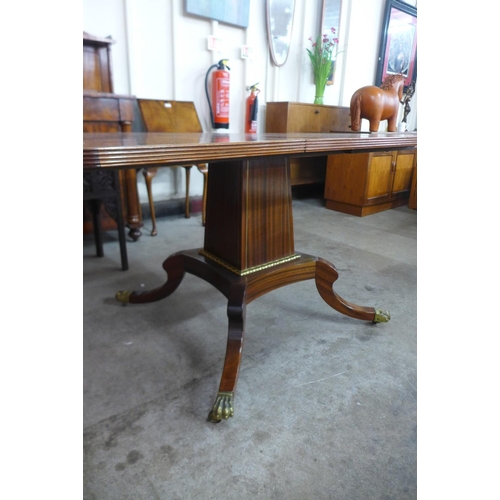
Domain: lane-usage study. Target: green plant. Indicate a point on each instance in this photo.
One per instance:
(322, 57)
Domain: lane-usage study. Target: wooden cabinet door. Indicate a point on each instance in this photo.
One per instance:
(380, 176)
(403, 173)
(413, 190)
(346, 178)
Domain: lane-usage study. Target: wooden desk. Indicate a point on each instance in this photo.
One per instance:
(249, 243)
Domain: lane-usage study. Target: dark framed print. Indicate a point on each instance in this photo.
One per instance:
(398, 43)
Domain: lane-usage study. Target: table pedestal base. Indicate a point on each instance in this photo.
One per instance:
(240, 291)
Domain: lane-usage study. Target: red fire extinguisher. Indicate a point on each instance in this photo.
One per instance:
(252, 107)
(219, 106)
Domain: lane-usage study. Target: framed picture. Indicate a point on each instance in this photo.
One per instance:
(235, 12)
(398, 43)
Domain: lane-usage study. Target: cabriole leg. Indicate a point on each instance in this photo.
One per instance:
(236, 308)
(326, 275)
(175, 271)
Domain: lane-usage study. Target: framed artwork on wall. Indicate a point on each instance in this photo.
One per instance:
(398, 43)
(235, 12)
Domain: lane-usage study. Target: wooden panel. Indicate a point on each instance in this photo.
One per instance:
(101, 109)
(267, 222)
(91, 70)
(101, 127)
(403, 173)
(314, 118)
(341, 119)
(303, 117)
(346, 176)
(365, 210)
(169, 116)
(412, 203)
(241, 222)
(277, 117)
(97, 71)
(126, 109)
(379, 176)
(307, 170)
(224, 208)
(308, 119)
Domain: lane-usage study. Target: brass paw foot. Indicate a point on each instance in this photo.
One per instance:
(222, 408)
(123, 296)
(381, 316)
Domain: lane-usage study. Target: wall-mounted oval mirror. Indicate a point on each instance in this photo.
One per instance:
(330, 18)
(279, 14)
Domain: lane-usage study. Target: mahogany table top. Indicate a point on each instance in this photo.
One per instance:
(135, 150)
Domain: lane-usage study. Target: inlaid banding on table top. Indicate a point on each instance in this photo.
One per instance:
(250, 270)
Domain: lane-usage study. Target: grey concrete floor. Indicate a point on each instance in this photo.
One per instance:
(325, 408)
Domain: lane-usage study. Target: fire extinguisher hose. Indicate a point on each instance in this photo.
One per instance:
(208, 97)
(253, 111)
(222, 64)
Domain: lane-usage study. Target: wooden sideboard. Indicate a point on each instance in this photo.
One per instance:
(366, 183)
(355, 183)
(302, 117)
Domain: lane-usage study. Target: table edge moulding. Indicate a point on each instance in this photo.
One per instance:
(249, 240)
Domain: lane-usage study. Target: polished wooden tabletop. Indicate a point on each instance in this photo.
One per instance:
(142, 149)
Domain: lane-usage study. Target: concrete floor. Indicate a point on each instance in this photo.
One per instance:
(325, 408)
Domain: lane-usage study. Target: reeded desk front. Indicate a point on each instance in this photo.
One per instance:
(249, 243)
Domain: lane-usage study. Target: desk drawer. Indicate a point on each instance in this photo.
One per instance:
(309, 118)
(108, 109)
(304, 117)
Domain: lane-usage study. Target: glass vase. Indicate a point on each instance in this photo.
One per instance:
(320, 92)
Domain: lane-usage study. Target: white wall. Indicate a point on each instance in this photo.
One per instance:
(161, 53)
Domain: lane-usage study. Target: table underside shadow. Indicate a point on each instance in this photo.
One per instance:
(240, 291)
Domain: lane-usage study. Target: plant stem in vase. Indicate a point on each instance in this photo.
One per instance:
(322, 63)
(320, 92)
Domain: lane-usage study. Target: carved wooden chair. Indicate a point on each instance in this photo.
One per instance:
(171, 116)
(104, 112)
(102, 187)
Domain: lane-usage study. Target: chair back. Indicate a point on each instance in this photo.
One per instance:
(169, 116)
